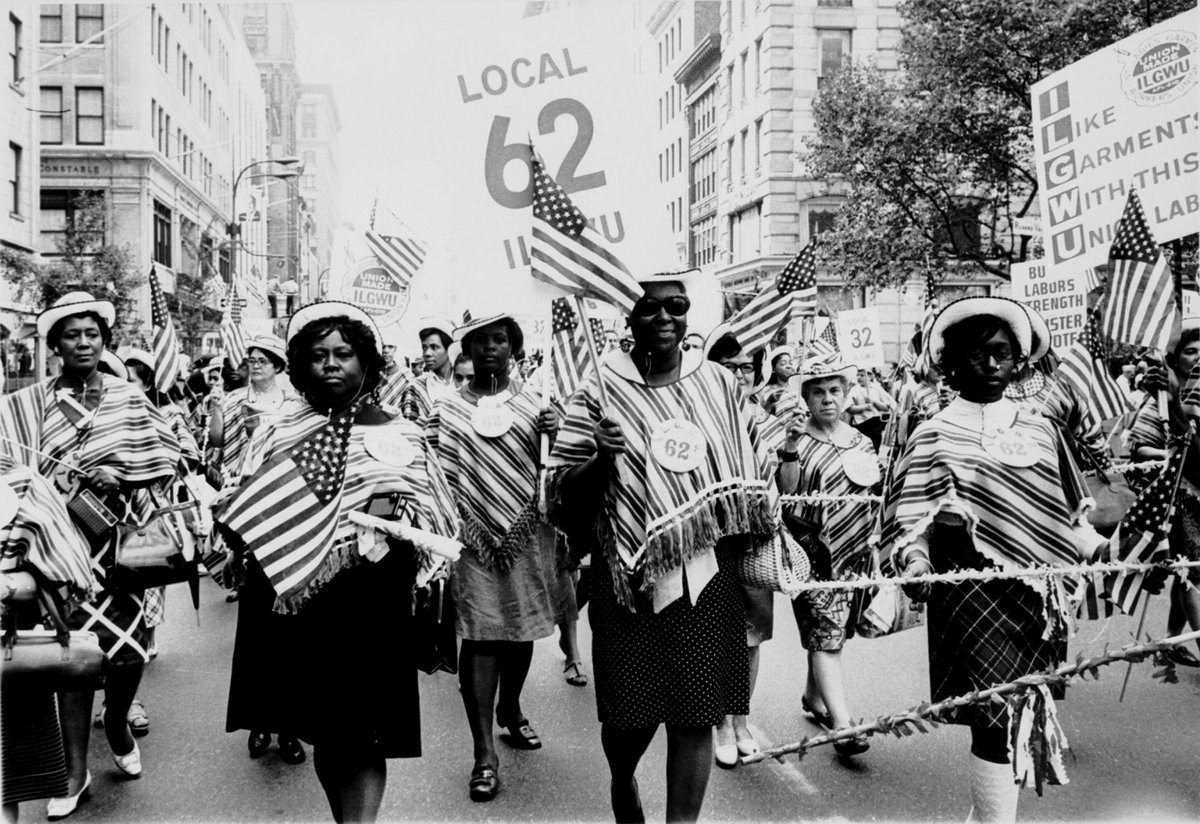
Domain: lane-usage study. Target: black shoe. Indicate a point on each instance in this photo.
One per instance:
(520, 734)
(851, 746)
(484, 784)
(258, 743)
(1183, 657)
(291, 751)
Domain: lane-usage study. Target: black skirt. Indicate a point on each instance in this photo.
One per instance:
(685, 666)
(339, 673)
(983, 633)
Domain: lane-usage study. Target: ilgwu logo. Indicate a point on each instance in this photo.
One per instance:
(1161, 69)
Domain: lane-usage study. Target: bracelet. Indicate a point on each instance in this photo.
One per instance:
(6, 587)
(787, 457)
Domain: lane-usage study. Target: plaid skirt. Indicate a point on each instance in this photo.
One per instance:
(984, 633)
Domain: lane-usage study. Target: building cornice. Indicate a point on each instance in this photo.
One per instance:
(662, 13)
(710, 46)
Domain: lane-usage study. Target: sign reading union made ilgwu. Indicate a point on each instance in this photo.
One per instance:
(374, 289)
(1124, 118)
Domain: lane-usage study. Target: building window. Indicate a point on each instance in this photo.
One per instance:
(743, 67)
(704, 241)
(89, 21)
(51, 114)
(729, 163)
(835, 53)
(89, 116)
(310, 160)
(729, 87)
(820, 221)
(15, 181)
(704, 112)
(15, 51)
(758, 147)
(58, 211)
(758, 64)
(308, 181)
(308, 121)
(704, 176)
(162, 234)
(52, 23)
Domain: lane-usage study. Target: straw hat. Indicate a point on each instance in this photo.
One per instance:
(74, 303)
(820, 367)
(435, 324)
(112, 361)
(332, 309)
(271, 345)
(137, 356)
(1014, 314)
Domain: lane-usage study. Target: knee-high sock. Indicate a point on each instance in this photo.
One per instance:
(993, 792)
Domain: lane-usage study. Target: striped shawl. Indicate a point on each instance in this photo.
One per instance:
(844, 527)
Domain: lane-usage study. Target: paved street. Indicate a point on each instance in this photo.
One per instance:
(1136, 760)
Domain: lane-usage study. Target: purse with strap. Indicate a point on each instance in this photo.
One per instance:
(152, 553)
(49, 660)
(1109, 490)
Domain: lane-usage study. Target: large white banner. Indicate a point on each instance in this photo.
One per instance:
(1060, 298)
(1124, 118)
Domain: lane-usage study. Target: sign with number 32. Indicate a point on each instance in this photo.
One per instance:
(859, 338)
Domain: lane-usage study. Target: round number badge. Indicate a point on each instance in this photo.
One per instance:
(860, 467)
(491, 420)
(678, 446)
(390, 448)
(1012, 447)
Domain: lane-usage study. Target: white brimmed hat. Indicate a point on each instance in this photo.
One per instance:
(478, 323)
(114, 363)
(332, 309)
(137, 356)
(271, 344)
(703, 291)
(1010, 311)
(821, 367)
(74, 303)
(438, 324)
(1039, 342)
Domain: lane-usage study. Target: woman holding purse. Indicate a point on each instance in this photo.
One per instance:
(98, 439)
(326, 610)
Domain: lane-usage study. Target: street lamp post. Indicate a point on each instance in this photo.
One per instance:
(233, 228)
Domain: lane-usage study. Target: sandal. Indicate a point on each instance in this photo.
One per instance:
(139, 722)
(573, 672)
(521, 735)
(821, 717)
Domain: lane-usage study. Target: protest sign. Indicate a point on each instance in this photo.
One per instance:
(1124, 118)
(859, 337)
(1060, 298)
(371, 287)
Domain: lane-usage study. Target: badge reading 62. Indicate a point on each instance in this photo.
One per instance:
(678, 446)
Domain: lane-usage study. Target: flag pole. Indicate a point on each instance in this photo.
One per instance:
(581, 306)
(547, 373)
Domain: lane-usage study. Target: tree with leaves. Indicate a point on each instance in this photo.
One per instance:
(936, 160)
(84, 263)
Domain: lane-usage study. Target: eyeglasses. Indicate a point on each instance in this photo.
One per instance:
(257, 361)
(676, 305)
(744, 368)
(1001, 354)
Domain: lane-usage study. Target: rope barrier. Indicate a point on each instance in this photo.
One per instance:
(816, 497)
(924, 716)
(958, 577)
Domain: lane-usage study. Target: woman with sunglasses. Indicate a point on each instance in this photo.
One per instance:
(986, 485)
(664, 483)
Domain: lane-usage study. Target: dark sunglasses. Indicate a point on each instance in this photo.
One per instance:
(676, 306)
(744, 368)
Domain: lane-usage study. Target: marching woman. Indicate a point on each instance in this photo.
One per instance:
(669, 482)
(510, 585)
(776, 393)
(98, 438)
(834, 458)
(266, 393)
(984, 485)
(321, 627)
(419, 394)
(733, 736)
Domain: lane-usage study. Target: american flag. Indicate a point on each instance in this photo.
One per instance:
(1139, 307)
(567, 253)
(1142, 534)
(826, 345)
(794, 290)
(401, 255)
(233, 338)
(570, 358)
(166, 346)
(1083, 369)
(287, 512)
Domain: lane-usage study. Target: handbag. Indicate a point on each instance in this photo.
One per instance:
(778, 565)
(50, 660)
(889, 611)
(435, 642)
(152, 553)
(1110, 490)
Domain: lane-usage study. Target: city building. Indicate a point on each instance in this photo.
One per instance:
(156, 107)
(676, 28)
(270, 33)
(698, 75)
(320, 186)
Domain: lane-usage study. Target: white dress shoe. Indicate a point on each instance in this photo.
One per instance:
(130, 763)
(57, 808)
(747, 746)
(726, 755)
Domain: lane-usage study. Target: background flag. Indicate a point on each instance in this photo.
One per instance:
(1139, 305)
(570, 358)
(794, 290)
(1142, 533)
(401, 254)
(1083, 369)
(826, 345)
(567, 253)
(166, 346)
(233, 337)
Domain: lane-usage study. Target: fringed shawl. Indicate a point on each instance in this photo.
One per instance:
(1017, 517)
(844, 526)
(235, 434)
(654, 520)
(424, 495)
(418, 396)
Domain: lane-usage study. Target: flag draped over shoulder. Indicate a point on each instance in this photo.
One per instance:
(794, 291)
(233, 338)
(287, 512)
(566, 252)
(401, 254)
(1142, 534)
(1139, 306)
(166, 346)
(571, 359)
(1084, 369)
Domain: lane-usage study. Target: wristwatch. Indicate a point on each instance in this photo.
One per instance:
(787, 457)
